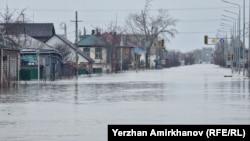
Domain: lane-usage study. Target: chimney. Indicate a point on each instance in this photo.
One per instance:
(114, 34)
(93, 32)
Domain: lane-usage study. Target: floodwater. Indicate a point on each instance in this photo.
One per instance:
(67, 110)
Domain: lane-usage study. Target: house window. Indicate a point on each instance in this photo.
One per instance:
(86, 51)
(98, 53)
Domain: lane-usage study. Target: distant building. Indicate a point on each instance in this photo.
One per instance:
(207, 54)
(107, 52)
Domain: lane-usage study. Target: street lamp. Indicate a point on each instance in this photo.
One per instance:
(234, 20)
(227, 27)
(234, 13)
(231, 12)
(244, 28)
(223, 31)
(236, 49)
(238, 25)
(233, 27)
(231, 20)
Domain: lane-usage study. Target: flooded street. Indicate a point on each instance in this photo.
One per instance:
(67, 110)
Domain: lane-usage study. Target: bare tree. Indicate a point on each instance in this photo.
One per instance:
(151, 26)
(64, 51)
(110, 28)
(9, 16)
(11, 19)
(113, 27)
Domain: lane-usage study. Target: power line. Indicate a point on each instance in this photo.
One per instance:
(124, 10)
(202, 8)
(198, 32)
(199, 20)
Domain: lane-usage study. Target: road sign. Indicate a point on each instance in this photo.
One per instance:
(214, 41)
(222, 41)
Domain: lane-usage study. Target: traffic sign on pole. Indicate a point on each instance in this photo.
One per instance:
(222, 41)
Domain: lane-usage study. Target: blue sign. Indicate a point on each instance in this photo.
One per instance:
(222, 41)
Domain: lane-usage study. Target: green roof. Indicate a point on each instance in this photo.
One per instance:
(91, 41)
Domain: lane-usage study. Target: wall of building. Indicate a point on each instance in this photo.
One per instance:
(9, 66)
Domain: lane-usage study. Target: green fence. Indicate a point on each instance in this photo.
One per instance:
(28, 74)
(82, 71)
(97, 70)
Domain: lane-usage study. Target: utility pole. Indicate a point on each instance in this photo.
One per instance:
(121, 59)
(156, 48)
(38, 65)
(1, 67)
(76, 42)
(249, 46)
(244, 28)
(64, 27)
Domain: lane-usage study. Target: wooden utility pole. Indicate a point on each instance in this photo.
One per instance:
(76, 42)
(1, 67)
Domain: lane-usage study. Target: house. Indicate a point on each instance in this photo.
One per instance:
(141, 41)
(38, 60)
(129, 57)
(96, 48)
(39, 64)
(106, 50)
(68, 50)
(9, 62)
(39, 31)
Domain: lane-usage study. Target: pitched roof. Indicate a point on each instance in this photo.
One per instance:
(71, 45)
(40, 31)
(8, 43)
(91, 41)
(27, 41)
(102, 40)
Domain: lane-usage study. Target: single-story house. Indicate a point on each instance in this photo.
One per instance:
(39, 64)
(38, 59)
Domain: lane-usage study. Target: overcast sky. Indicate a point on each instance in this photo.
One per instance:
(196, 17)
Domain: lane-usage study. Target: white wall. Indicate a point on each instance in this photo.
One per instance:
(55, 41)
